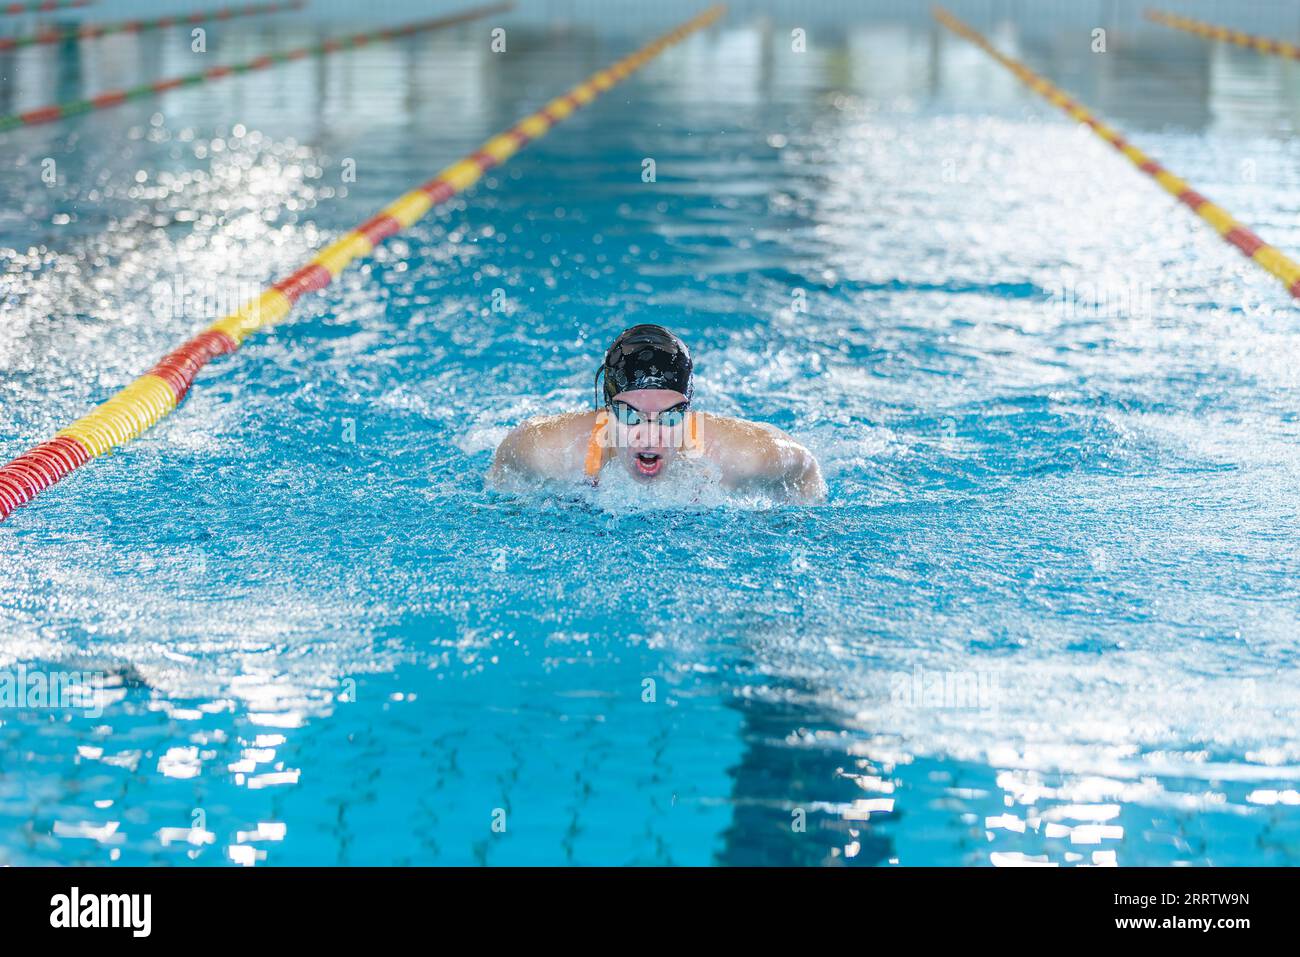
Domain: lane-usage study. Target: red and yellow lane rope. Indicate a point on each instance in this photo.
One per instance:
(42, 6)
(1270, 257)
(152, 396)
(1213, 31)
(89, 31)
(101, 101)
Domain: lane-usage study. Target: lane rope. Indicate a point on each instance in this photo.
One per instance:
(42, 6)
(91, 31)
(111, 98)
(156, 393)
(1269, 257)
(1212, 31)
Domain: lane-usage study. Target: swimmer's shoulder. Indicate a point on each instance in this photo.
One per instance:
(546, 446)
(559, 430)
(725, 433)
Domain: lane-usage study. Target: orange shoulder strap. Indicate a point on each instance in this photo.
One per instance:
(596, 445)
(692, 431)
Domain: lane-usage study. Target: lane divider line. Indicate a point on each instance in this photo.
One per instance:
(91, 31)
(156, 393)
(1212, 31)
(42, 6)
(1269, 257)
(110, 98)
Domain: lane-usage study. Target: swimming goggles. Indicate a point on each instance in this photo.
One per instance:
(668, 418)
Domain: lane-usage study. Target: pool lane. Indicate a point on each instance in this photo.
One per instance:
(112, 98)
(93, 31)
(155, 394)
(1286, 269)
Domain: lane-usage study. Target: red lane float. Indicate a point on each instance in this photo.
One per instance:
(58, 111)
(1212, 31)
(1282, 266)
(91, 31)
(42, 6)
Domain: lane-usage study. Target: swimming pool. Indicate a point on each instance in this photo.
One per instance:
(1048, 613)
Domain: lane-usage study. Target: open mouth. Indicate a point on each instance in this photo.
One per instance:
(649, 463)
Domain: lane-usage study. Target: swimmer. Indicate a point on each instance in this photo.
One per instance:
(645, 425)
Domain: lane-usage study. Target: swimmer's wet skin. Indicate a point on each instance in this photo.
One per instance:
(646, 424)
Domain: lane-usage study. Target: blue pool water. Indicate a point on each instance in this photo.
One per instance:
(1048, 614)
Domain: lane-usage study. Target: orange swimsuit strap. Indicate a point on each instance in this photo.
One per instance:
(597, 443)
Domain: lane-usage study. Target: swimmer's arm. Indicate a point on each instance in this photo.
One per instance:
(795, 470)
(763, 455)
(804, 476)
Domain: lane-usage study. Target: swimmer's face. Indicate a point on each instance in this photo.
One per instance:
(649, 429)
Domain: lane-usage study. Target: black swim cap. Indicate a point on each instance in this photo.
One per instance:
(648, 357)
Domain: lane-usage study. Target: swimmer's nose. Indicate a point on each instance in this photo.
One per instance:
(647, 435)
